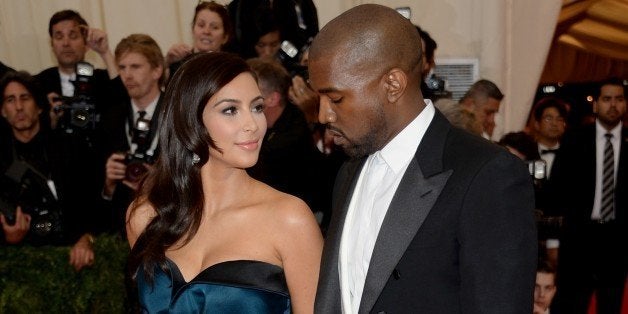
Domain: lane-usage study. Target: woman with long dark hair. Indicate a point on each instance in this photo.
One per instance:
(205, 236)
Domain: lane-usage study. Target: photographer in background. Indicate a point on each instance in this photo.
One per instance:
(45, 188)
(131, 127)
(70, 37)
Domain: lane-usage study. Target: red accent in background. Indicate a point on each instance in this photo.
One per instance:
(624, 306)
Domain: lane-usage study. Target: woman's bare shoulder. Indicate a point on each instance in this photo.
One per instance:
(138, 216)
(288, 211)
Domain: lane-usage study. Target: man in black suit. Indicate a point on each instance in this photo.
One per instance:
(594, 246)
(426, 218)
(70, 37)
(131, 127)
(46, 176)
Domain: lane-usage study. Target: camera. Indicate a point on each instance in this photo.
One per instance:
(141, 136)
(30, 190)
(289, 56)
(135, 168)
(79, 111)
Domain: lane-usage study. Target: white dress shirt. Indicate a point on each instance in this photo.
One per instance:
(600, 141)
(548, 157)
(150, 110)
(67, 87)
(366, 212)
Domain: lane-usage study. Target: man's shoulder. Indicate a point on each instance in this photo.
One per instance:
(48, 75)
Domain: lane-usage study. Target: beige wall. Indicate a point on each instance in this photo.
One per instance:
(509, 37)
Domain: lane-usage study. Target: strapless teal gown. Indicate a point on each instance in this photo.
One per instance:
(228, 287)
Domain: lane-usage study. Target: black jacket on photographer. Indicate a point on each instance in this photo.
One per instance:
(62, 162)
(118, 124)
(103, 91)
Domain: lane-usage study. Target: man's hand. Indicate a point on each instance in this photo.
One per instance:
(177, 52)
(538, 309)
(115, 170)
(82, 253)
(305, 98)
(16, 233)
(97, 40)
(55, 101)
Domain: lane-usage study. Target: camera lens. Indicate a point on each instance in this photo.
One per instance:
(135, 171)
(80, 117)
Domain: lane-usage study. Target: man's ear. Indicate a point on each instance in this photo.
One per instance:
(395, 83)
(595, 108)
(274, 99)
(468, 104)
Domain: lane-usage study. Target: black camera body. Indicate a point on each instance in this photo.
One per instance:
(79, 111)
(289, 56)
(141, 136)
(30, 190)
(135, 168)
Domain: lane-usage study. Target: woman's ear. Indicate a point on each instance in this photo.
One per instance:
(395, 84)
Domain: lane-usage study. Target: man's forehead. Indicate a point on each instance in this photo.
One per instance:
(611, 89)
(63, 25)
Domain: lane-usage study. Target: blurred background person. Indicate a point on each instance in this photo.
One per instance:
(70, 37)
(590, 173)
(458, 116)
(47, 178)
(483, 99)
(544, 288)
(297, 22)
(211, 31)
(131, 127)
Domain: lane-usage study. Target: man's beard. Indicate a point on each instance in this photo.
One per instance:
(372, 140)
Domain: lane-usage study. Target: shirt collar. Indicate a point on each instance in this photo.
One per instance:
(601, 131)
(150, 109)
(400, 150)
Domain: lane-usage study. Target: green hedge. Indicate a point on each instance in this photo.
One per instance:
(41, 280)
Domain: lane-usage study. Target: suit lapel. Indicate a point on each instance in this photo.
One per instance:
(328, 293)
(418, 190)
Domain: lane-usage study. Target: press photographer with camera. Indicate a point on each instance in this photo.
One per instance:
(70, 39)
(132, 126)
(45, 189)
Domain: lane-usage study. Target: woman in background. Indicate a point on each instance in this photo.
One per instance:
(205, 236)
(211, 31)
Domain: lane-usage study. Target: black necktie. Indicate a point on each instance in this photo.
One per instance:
(549, 151)
(141, 115)
(607, 208)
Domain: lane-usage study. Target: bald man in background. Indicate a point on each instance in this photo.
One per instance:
(414, 227)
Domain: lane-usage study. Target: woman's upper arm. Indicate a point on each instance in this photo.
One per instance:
(137, 218)
(300, 246)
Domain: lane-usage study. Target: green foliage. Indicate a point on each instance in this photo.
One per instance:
(41, 280)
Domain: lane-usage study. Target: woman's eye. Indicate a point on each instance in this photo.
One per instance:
(230, 111)
(259, 108)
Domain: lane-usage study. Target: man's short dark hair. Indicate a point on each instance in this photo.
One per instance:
(430, 44)
(609, 81)
(550, 102)
(271, 75)
(484, 88)
(544, 266)
(66, 15)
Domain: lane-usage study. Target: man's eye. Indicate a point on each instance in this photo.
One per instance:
(336, 100)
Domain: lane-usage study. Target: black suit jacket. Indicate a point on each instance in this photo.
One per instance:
(574, 178)
(114, 140)
(459, 235)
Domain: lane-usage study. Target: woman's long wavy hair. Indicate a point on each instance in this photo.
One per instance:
(174, 186)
